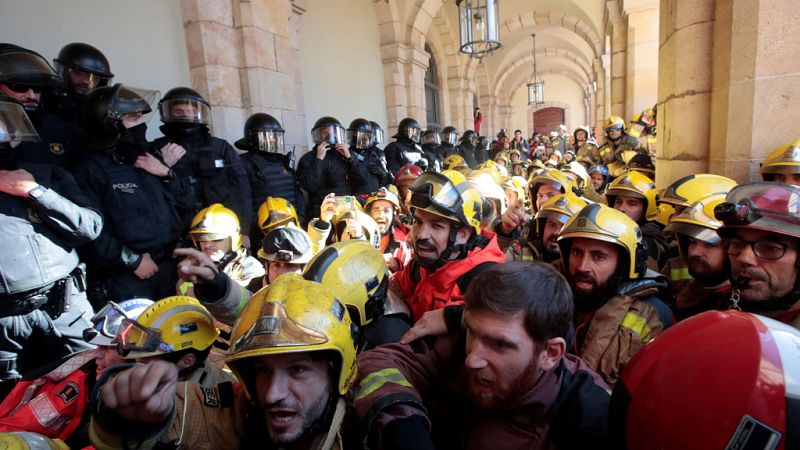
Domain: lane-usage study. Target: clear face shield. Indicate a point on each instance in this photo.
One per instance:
(414, 134)
(451, 138)
(185, 111)
(81, 82)
(130, 100)
(377, 136)
(360, 139)
(269, 141)
(332, 134)
(431, 139)
(436, 190)
(15, 126)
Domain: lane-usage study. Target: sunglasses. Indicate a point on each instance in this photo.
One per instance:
(21, 88)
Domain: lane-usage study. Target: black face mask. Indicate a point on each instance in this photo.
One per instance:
(132, 144)
(179, 129)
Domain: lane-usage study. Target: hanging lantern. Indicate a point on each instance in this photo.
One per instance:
(479, 26)
(536, 85)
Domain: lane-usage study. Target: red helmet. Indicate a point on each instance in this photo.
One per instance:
(721, 379)
(407, 174)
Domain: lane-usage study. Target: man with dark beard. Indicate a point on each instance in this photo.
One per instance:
(761, 235)
(450, 248)
(701, 251)
(504, 381)
(616, 310)
(291, 350)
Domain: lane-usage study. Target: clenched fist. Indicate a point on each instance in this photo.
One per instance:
(143, 393)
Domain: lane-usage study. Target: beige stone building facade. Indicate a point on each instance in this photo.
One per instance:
(725, 74)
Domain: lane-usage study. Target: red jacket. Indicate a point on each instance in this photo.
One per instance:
(54, 404)
(397, 246)
(425, 290)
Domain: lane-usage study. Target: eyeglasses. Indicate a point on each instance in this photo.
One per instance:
(763, 249)
(21, 88)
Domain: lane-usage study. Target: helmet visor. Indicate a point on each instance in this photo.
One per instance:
(185, 110)
(776, 201)
(377, 136)
(414, 134)
(431, 139)
(437, 191)
(613, 128)
(135, 337)
(332, 134)
(130, 100)
(451, 137)
(359, 139)
(81, 82)
(15, 126)
(26, 68)
(269, 141)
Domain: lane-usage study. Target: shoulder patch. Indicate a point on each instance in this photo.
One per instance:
(69, 392)
(210, 397)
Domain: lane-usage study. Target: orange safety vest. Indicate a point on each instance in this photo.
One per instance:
(439, 288)
(54, 404)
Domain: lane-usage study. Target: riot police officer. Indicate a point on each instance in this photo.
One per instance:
(135, 190)
(210, 167)
(27, 78)
(431, 148)
(467, 148)
(405, 149)
(269, 166)
(81, 68)
(359, 137)
(43, 218)
(330, 167)
(449, 141)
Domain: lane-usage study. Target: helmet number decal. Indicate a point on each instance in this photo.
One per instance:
(752, 434)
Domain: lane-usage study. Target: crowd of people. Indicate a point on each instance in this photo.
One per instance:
(446, 291)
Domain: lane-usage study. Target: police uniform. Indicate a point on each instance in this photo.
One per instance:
(141, 217)
(42, 289)
(58, 144)
(270, 176)
(212, 172)
(401, 152)
(334, 173)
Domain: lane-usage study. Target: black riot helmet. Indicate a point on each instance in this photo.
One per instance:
(264, 133)
(82, 68)
(104, 108)
(377, 133)
(327, 129)
(409, 128)
(22, 69)
(450, 135)
(431, 137)
(185, 106)
(359, 134)
(470, 136)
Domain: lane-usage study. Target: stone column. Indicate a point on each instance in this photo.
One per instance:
(213, 44)
(243, 57)
(490, 115)
(684, 88)
(418, 60)
(459, 103)
(756, 84)
(395, 85)
(642, 58)
(619, 58)
(601, 106)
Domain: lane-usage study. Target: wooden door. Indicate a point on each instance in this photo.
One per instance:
(547, 120)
